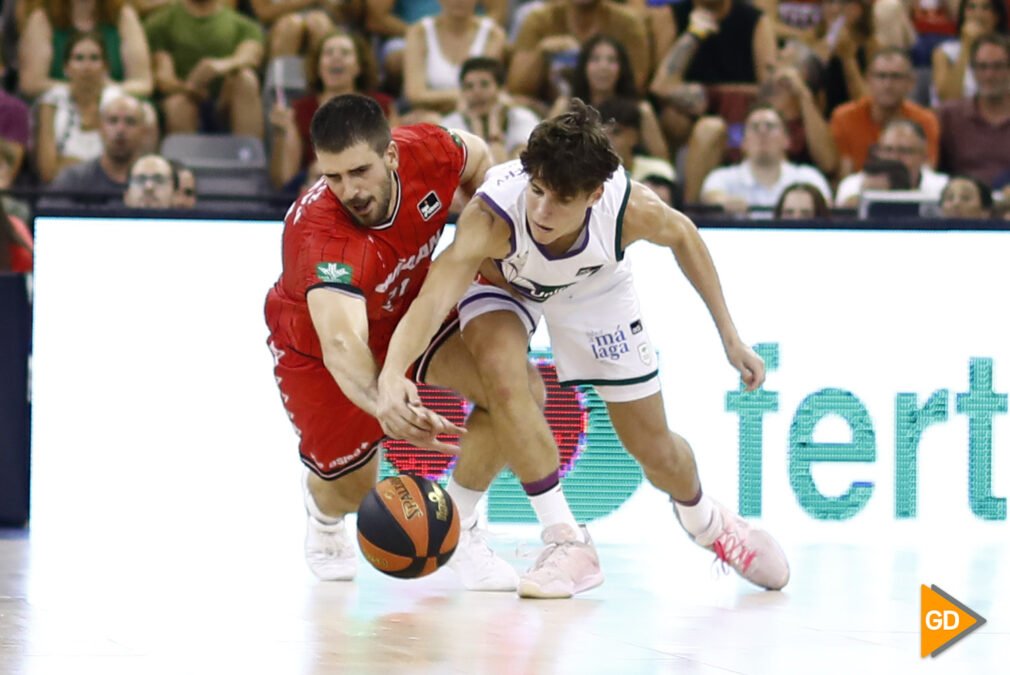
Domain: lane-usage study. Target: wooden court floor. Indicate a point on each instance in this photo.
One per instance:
(125, 605)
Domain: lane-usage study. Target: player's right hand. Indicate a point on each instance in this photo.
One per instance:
(403, 416)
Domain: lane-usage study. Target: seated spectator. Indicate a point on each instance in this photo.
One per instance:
(976, 130)
(295, 26)
(857, 125)
(205, 60)
(903, 141)
(485, 111)
(48, 31)
(760, 179)
(885, 174)
(342, 63)
(791, 91)
(153, 184)
(550, 38)
(623, 118)
(14, 134)
(603, 71)
(966, 197)
(151, 129)
(952, 78)
(104, 179)
(436, 48)
(15, 244)
(67, 116)
(802, 201)
(725, 49)
(185, 186)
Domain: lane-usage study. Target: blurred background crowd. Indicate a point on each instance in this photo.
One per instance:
(755, 108)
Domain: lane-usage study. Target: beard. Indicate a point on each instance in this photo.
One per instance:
(378, 210)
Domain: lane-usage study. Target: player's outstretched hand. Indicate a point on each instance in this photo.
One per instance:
(748, 363)
(403, 416)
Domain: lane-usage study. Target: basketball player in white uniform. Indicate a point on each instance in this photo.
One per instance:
(547, 234)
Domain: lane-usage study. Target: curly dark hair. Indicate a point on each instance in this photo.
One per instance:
(625, 85)
(570, 153)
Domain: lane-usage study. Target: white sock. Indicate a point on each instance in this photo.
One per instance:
(313, 509)
(466, 501)
(552, 508)
(697, 519)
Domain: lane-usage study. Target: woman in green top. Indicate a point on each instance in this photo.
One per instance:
(49, 27)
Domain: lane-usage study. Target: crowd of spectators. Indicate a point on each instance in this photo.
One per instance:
(792, 107)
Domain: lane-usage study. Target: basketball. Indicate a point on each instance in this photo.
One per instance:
(408, 527)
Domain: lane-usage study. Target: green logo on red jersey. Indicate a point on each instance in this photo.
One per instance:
(334, 272)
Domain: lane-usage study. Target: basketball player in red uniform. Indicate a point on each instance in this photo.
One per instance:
(356, 248)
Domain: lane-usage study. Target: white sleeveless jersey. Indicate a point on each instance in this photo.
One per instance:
(530, 269)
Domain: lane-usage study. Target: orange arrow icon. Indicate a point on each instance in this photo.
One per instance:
(943, 620)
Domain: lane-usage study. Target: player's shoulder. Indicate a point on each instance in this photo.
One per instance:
(505, 175)
(423, 133)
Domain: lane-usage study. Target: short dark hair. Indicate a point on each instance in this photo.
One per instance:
(621, 111)
(994, 39)
(570, 153)
(896, 172)
(821, 209)
(483, 64)
(347, 120)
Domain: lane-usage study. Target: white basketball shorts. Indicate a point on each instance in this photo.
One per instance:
(596, 329)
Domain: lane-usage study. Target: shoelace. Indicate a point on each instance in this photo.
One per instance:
(554, 554)
(730, 551)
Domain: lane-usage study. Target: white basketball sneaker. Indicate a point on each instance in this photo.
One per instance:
(329, 550)
(565, 567)
(751, 552)
(478, 566)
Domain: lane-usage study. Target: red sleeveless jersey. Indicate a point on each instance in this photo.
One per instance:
(384, 265)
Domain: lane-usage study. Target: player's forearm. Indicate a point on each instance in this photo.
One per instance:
(696, 263)
(352, 365)
(413, 334)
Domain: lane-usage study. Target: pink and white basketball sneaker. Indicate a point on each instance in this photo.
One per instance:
(751, 552)
(568, 565)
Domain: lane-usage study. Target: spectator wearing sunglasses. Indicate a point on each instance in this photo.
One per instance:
(152, 184)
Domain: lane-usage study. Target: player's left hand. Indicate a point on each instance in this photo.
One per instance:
(403, 416)
(750, 366)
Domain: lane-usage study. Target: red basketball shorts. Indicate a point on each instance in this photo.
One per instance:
(335, 436)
